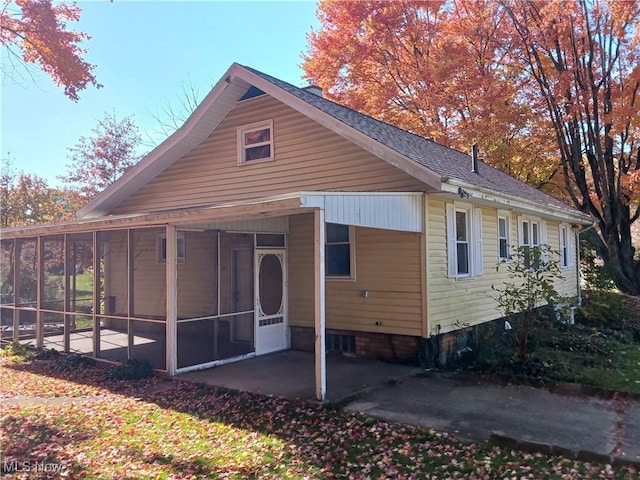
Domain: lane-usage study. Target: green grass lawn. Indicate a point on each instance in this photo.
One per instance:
(602, 349)
(618, 371)
(156, 428)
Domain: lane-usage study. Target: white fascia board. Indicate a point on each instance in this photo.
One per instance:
(510, 201)
(187, 137)
(367, 143)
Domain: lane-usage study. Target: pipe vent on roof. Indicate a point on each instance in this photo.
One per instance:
(474, 158)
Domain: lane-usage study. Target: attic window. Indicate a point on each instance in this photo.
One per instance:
(255, 143)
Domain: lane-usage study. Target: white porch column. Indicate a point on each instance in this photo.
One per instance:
(319, 303)
(172, 299)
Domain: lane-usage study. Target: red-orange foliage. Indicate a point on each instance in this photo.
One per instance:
(38, 32)
(541, 85)
(27, 199)
(440, 69)
(99, 160)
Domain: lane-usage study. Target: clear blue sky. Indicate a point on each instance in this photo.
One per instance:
(143, 52)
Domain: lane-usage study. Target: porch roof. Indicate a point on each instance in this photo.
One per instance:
(387, 210)
(246, 210)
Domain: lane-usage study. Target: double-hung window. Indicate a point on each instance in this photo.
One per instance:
(504, 231)
(255, 143)
(463, 252)
(464, 241)
(565, 234)
(339, 255)
(531, 233)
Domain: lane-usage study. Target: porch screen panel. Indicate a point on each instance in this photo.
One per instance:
(80, 262)
(27, 326)
(7, 248)
(197, 298)
(149, 342)
(7, 299)
(6, 325)
(149, 273)
(54, 281)
(236, 329)
(112, 327)
(80, 286)
(27, 290)
(114, 339)
(113, 273)
(53, 330)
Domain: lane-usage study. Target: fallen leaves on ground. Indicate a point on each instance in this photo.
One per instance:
(173, 429)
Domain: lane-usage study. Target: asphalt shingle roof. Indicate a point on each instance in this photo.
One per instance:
(438, 158)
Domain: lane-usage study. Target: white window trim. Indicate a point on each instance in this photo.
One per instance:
(162, 238)
(352, 259)
(568, 238)
(474, 240)
(241, 147)
(542, 231)
(506, 216)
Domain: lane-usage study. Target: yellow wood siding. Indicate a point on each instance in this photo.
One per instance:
(387, 266)
(308, 156)
(457, 303)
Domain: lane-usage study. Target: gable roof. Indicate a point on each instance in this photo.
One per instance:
(426, 160)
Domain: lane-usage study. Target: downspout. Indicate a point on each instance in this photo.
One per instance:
(580, 232)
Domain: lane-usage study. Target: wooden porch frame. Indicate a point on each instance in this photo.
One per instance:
(319, 304)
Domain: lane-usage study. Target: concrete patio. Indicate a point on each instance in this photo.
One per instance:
(290, 374)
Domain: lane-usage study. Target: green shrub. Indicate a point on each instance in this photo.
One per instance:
(596, 274)
(130, 370)
(602, 308)
(530, 283)
(17, 352)
(47, 354)
(74, 361)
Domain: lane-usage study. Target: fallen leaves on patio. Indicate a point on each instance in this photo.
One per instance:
(172, 429)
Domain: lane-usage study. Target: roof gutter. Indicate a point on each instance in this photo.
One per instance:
(453, 185)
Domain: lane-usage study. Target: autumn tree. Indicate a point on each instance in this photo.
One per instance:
(541, 86)
(583, 56)
(100, 159)
(439, 69)
(37, 32)
(27, 199)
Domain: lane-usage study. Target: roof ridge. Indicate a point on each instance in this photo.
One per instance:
(441, 159)
(358, 112)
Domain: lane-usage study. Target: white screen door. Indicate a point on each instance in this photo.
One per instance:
(270, 301)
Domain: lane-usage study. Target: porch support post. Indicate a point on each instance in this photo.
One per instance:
(131, 255)
(319, 303)
(424, 265)
(17, 249)
(172, 300)
(95, 321)
(40, 295)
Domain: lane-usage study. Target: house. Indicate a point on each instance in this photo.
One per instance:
(276, 219)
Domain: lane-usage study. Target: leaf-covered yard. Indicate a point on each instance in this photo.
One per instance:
(77, 425)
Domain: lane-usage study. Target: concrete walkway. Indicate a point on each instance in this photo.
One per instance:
(522, 417)
(291, 374)
(527, 418)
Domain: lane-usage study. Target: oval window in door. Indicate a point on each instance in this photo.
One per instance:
(271, 287)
